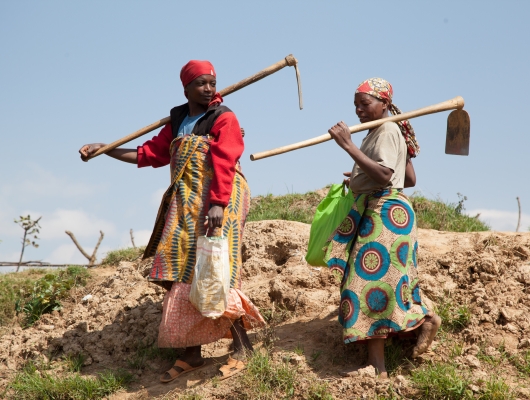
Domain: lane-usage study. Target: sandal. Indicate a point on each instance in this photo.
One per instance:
(232, 367)
(173, 373)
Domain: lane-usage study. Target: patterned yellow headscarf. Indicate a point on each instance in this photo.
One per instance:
(382, 90)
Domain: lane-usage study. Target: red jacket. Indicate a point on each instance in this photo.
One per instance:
(226, 148)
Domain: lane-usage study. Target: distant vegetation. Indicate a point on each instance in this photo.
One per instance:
(129, 254)
(431, 214)
(34, 293)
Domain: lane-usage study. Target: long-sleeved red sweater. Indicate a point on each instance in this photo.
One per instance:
(226, 148)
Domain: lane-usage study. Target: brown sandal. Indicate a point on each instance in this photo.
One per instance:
(232, 367)
(174, 374)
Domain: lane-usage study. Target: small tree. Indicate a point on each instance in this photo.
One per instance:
(31, 227)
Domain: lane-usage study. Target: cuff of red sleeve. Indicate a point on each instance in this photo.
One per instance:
(141, 157)
(216, 202)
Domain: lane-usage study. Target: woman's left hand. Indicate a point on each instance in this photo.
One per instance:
(341, 134)
(215, 217)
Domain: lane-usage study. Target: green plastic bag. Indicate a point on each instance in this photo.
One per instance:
(329, 215)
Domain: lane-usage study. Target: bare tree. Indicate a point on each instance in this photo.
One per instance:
(519, 218)
(91, 259)
(132, 238)
(31, 227)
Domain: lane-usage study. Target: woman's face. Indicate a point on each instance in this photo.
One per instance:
(368, 108)
(202, 89)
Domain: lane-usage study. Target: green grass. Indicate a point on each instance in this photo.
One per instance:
(289, 207)
(438, 381)
(46, 293)
(454, 318)
(31, 384)
(265, 379)
(497, 389)
(74, 362)
(129, 254)
(445, 216)
(430, 214)
(146, 352)
(13, 287)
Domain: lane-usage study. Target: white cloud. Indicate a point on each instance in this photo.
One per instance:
(68, 254)
(43, 183)
(81, 224)
(500, 220)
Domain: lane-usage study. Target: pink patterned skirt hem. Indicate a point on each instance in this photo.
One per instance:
(183, 326)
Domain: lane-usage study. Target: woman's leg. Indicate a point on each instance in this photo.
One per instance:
(242, 343)
(376, 356)
(427, 333)
(192, 356)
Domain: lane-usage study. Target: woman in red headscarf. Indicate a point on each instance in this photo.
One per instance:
(374, 249)
(208, 192)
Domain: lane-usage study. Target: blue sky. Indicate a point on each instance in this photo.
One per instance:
(82, 72)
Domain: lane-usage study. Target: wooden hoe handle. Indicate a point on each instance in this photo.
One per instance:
(287, 61)
(456, 103)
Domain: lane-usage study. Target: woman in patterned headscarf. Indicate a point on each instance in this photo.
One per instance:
(374, 249)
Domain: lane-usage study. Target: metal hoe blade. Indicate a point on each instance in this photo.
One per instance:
(458, 132)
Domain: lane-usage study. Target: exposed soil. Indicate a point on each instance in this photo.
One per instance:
(488, 272)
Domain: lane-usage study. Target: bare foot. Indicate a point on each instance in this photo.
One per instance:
(427, 332)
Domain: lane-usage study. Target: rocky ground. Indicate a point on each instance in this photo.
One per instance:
(479, 280)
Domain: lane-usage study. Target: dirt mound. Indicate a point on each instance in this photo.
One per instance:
(483, 276)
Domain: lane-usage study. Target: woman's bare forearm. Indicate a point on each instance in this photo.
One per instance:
(125, 155)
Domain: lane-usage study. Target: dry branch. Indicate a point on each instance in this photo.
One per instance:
(91, 259)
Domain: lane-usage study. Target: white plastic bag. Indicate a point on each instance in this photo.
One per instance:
(211, 279)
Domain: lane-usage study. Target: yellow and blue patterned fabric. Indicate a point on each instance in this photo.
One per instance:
(181, 215)
(373, 253)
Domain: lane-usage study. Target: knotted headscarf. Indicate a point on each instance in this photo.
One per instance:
(195, 68)
(382, 90)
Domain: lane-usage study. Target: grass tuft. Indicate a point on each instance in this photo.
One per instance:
(289, 207)
(454, 318)
(445, 216)
(441, 381)
(33, 384)
(129, 254)
(265, 379)
(74, 362)
(46, 293)
(497, 389)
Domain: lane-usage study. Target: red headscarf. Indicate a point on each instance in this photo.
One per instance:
(195, 68)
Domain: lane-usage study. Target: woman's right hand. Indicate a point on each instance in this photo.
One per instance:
(88, 149)
(347, 180)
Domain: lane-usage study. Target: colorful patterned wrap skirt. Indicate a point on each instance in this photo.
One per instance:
(173, 244)
(373, 252)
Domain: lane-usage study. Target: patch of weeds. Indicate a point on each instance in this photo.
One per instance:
(441, 381)
(454, 318)
(47, 292)
(129, 254)
(389, 395)
(445, 216)
(497, 389)
(74, 362)
(457, 350)
(30, 384)
(315, 355)
(521, 362)
(265, 379)
(394, 356)
(276, 315)
(145, 352)
(13, 287)
(289, 207)
(299, 349)
(490, 359)
(318, 391)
